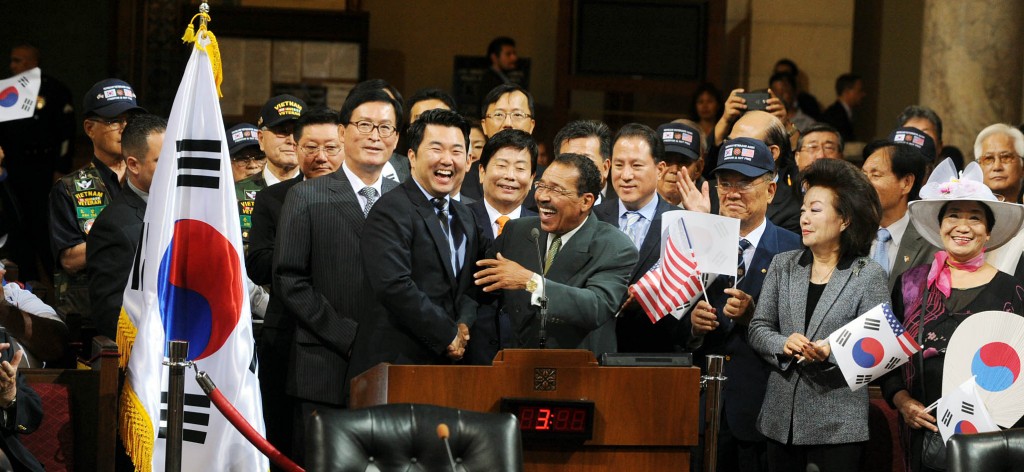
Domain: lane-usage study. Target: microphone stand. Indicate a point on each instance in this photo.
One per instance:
(542, 335)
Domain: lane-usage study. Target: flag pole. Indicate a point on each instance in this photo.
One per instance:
(177, 353)
(689, 242)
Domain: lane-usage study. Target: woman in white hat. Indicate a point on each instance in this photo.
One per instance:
(961, 216)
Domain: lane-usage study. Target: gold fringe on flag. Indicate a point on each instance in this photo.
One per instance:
(126, 333)
(211, 48)
(137, 431)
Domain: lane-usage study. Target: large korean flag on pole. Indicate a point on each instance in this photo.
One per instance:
(188, 284)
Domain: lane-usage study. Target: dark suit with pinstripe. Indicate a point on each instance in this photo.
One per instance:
(406, 258)
(320, 283)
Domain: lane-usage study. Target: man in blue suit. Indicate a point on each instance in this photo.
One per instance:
(745, 177)
(508, 165)
(638, 157)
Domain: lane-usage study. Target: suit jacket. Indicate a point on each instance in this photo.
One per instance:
(743, 394)
(401, 164)
(836, 116)
(914, 251)
(266, 213)
(407, 262)
(812, 402)
(633, 329)
(321, 288)
(485, 335)
(585, 285)
(784, 209)
(110, 253)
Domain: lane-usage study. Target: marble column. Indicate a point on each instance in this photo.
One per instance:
(972, 66)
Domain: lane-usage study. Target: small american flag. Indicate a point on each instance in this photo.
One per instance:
(671, 286)
(748, 152)
(910, 347)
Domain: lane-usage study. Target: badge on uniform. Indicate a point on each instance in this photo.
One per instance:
(84, 184)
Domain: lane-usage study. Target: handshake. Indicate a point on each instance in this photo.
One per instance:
(458, 346)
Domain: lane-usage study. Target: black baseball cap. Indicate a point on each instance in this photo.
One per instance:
(241, 136)
(680, 139)
(748, 156)
(280, 109)
(109, 98)
(914, 137)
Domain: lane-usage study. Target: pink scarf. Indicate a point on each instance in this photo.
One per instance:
(939, 275)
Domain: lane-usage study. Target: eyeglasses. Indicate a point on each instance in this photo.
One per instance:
(331, 150)
(384, 130)
(1005, 158)
(539, 187)
(516, 116)
(742, 186)
(814, 148)
(113, 123)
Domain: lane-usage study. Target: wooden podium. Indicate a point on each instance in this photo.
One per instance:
(645, 418)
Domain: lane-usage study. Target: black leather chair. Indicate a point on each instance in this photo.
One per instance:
(990, 452)
(403, 437)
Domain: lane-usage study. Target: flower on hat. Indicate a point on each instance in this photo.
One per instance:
(946, 184)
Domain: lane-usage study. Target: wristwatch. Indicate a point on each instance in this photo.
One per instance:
(531, 285)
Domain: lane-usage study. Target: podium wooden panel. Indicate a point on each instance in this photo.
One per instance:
(645, 418)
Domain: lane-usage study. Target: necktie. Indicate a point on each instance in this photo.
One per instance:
(454, 237)
(371, 197)
(555, 246)
(440, 205)
(632, 224)
(882, 249)
(501, 223)
(741, 266)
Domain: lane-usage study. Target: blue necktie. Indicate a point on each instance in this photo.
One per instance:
(632, 225)
(741, 266)
(882, 250)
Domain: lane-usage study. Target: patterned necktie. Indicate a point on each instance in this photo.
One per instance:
(632, 224)
(501, 223)
(882, 249)
(741, 266)
(371, 197)
(440, 205)
(555, 246)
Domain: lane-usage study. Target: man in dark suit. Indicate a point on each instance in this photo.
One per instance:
(745, 187)
(21, 410)
(637, 158)
(507, 106)
(114, 238)
(587, 265)
(897, 173)
(321, 292)
(397, 167)
(849, 94)
(593, 139)
(507, 166)
(417, 250)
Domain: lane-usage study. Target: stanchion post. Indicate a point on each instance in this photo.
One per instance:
(712, 383)
(177, 354)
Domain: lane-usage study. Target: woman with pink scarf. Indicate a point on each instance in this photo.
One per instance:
(960, 215)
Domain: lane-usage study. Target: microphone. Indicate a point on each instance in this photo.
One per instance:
(442, 432)
(812, 467)
(542, 336)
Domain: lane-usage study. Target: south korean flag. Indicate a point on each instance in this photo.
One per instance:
(870, 346)
(963, 412)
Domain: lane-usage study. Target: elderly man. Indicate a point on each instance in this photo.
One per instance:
(998, 149)
(745, 188)
(637, 159)
(685, 149)
(926, 120)
(818, 142)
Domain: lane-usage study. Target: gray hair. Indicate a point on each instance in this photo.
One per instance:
(1000, 128)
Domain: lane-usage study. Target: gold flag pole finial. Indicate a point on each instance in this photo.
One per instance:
(209, 44)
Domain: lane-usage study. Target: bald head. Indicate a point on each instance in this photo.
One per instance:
(23, 58)
(754, 124)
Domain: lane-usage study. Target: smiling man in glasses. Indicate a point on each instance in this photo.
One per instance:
(586, 265)
(507, 106)
(79, 197)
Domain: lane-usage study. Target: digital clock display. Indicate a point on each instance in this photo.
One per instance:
(552, 419)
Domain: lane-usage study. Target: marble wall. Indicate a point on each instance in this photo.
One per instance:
(971, 65)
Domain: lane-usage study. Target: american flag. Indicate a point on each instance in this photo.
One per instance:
(910, 347)
(671, 285)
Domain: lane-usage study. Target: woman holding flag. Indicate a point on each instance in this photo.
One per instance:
(810, 415)
(964, 218)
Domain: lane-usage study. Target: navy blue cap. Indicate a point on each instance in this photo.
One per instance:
(914, 137)
(110, 98)
(748, 156)
(280, 109)
(680, 139)
(241, 136)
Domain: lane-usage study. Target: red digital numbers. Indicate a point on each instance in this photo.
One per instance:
(553, 419)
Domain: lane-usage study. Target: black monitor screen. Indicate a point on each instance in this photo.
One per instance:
(641, 38)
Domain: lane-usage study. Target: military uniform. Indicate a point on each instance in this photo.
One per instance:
(75, 202)
(246, 190)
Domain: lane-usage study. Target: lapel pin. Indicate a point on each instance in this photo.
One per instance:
(764, 271)
(906, 258)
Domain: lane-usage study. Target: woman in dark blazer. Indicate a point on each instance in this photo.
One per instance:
(810, 415)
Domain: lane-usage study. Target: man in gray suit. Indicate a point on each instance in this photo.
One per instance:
(322, 291)
(897, 173)
(587, 265)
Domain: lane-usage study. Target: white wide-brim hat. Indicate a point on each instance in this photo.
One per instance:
(946, 186)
